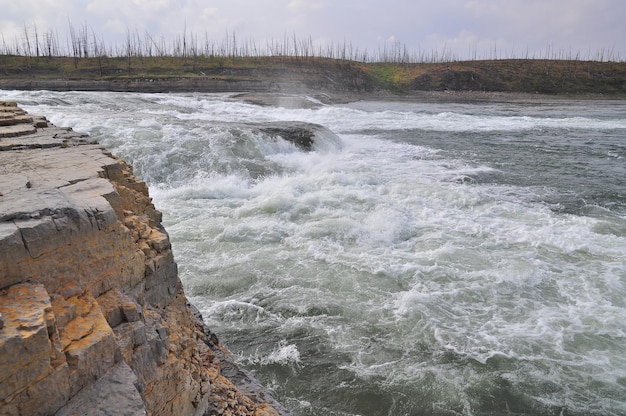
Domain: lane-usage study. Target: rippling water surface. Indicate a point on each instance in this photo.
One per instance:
(435, 258)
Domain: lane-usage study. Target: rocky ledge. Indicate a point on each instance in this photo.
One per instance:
(93, 317)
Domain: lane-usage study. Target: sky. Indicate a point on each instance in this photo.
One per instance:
(461, 29)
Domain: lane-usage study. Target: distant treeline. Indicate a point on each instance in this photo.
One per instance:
(83, 42)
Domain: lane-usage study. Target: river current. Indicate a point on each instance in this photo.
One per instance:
(431, 259)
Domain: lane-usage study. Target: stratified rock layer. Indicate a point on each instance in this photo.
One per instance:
(93, 318)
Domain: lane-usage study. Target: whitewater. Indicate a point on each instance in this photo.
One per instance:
(434, 258)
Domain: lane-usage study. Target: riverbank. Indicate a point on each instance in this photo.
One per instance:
(334, 77)
(93, 316)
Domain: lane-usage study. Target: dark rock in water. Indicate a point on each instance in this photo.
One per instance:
(300, 134)
(306, 136)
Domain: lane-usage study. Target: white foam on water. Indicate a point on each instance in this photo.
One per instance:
(285, 354)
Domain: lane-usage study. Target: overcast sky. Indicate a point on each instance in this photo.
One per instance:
(463, 28)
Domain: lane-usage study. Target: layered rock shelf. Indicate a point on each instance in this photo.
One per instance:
(93, 316)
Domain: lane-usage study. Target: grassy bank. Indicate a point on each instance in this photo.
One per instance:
(545, 76)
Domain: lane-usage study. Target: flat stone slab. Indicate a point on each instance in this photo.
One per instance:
(9, 119)
(46, 177)
(33, 138)
(17, 130)
(42, 182)
(16, 122)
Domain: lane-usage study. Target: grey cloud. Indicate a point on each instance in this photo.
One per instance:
(458, 25)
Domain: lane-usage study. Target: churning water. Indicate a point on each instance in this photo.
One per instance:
(433, 258)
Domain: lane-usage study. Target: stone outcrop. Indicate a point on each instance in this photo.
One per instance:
(93, 317)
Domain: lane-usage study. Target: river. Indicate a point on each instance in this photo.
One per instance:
(432, 258)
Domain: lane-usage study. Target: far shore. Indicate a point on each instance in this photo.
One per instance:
(512, 79)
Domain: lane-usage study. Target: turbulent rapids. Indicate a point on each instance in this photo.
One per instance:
(406, 258)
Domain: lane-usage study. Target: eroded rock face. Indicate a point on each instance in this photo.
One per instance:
(93, 318)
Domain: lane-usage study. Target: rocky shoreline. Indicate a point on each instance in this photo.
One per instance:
(93, 316)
